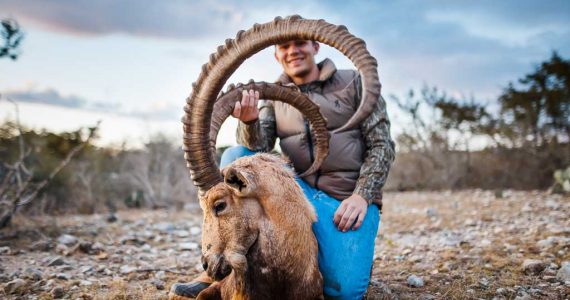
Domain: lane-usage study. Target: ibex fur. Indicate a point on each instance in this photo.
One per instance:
(257, 239)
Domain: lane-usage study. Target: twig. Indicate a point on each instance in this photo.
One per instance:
(22, 197)
(61, 165)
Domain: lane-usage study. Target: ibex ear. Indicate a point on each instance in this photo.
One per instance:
(240, 182)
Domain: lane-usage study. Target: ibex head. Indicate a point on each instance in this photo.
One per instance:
(236, 211)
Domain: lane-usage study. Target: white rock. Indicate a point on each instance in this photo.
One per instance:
(57, 292)
(159, 284)
(181, 233)
(160, 275)
(164, 227)
(67, 239)
(5, 250)
(552, 204)
(546, 243)
(97, 246)
(33, 274)
(126, 269)
(15, 286)
(188, 246)
(564, 272)
(85, 283)
(195, 230)
(63, 276)
(415, 281)
(533, 266)
(497, 230)
(431, 213)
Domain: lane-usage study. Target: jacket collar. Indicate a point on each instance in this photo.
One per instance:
(326, 71)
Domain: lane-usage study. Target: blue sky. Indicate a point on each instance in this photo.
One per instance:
(131, 63)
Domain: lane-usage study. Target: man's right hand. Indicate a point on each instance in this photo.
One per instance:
(246, 110)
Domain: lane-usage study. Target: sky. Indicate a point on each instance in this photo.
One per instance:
(131, 63)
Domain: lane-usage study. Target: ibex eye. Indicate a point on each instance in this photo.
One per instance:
(219, 207)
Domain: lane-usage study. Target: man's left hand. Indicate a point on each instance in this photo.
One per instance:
(351, 209)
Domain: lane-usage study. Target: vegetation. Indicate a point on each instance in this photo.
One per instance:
(12, 36)
(96, 180)
(527, 137)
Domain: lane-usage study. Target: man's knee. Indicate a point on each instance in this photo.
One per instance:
(233, 153)
(348, 289)
(340, 284)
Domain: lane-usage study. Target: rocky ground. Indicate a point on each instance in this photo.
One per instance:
(431, 245)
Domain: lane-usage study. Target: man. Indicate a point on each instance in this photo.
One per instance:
(348, 183)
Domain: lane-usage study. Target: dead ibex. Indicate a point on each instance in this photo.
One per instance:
(257, 230)
(257, 240)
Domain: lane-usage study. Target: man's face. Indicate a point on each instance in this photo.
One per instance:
(297, 57)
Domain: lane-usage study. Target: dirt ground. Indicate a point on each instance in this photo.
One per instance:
(431, 245)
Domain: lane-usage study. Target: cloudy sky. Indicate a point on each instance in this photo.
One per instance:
(131, 63)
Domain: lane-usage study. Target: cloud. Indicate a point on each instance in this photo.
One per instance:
(158, 110)
(48, 96)
(171, 19)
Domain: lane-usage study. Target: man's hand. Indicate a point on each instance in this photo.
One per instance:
(351, 209)
(246, 110)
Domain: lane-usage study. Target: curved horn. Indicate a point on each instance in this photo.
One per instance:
(230, 56)
(288, 94)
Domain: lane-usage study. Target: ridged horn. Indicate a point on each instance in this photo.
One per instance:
(230, 56)
(289, 94)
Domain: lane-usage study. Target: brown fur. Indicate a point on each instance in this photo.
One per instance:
(263, 234)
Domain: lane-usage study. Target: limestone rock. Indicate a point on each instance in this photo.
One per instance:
(57, 292)
(16, 286)
(67, 239)
(533, 266)
(415, 281)
(564, 272)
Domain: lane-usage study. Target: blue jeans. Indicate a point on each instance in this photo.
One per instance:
(345, 258)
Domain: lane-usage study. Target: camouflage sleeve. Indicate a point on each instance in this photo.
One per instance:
(379, 154)
(260, 135)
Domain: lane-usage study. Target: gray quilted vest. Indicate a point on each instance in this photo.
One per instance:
(338, 94)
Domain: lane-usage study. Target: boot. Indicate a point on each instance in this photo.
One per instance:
(190, 290)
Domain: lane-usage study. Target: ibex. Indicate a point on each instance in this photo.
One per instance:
(257, 240)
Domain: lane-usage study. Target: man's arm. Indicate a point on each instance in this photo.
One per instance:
(260, 134)
(379, 153)
(378, 158)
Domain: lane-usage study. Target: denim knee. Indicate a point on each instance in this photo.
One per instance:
(233, 153)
